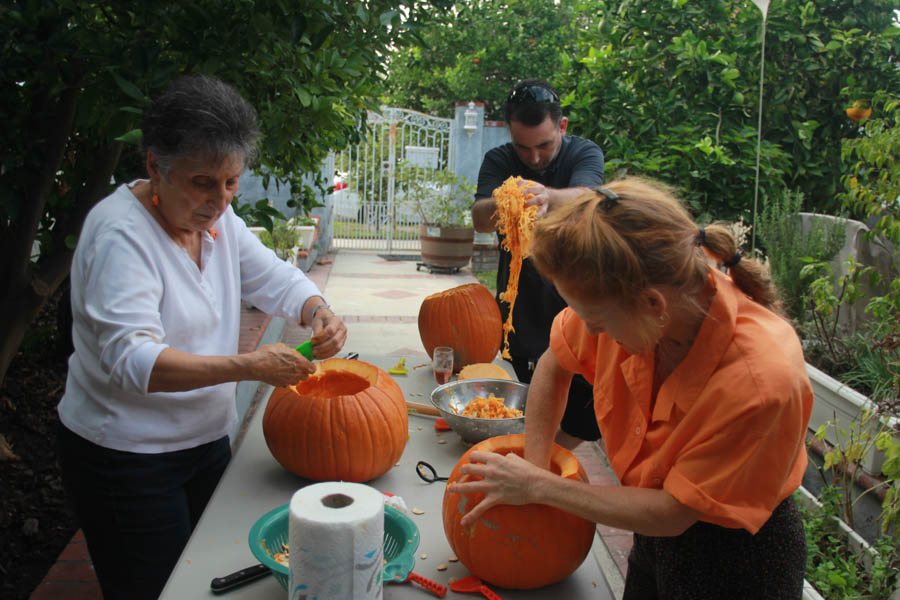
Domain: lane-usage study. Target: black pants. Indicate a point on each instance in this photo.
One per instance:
(709, 562)
(137, 511)
(579, 419)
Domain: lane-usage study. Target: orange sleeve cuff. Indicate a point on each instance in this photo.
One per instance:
(560, 344)
(685, 491)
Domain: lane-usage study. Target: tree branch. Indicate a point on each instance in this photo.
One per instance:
(52, 135)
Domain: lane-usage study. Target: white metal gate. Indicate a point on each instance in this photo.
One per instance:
(369, 211)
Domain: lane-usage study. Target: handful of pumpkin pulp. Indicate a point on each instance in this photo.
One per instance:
(516, 222)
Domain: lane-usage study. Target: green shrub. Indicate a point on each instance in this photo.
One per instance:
(833, 567)
(787, 245)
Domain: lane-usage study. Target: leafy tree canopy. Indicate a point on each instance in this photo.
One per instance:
(670, 89)
(76, 73)
(478, 50)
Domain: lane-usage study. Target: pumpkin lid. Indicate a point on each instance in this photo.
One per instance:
(483, 371)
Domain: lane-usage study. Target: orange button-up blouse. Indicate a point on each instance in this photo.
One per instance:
(725, 433)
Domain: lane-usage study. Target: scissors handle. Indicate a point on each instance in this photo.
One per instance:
(427, 473)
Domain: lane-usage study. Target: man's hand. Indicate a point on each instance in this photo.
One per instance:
(546, 198)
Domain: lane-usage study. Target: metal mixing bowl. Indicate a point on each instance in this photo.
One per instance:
(457, 394)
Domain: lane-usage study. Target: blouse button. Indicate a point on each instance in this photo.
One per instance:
(637, 431)
(657, 481)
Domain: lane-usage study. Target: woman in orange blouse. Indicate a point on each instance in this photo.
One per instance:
(700, 393)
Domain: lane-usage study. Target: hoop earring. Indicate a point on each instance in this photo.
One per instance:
(155, 199)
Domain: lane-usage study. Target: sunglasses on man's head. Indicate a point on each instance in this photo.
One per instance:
(532, 93)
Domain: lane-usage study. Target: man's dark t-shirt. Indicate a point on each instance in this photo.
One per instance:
(579, 163)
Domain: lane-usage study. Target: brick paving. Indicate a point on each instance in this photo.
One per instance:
(72, 576)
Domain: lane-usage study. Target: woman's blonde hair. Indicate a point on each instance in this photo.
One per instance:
(614, 244)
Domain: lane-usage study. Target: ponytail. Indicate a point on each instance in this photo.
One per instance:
(748, 274)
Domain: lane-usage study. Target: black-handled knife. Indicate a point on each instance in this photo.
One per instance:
(238, 578)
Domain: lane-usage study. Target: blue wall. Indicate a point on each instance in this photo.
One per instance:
(471, 147)
(252, 191)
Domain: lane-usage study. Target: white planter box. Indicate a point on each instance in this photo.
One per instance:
(834, 399)
(859, 545)
(307, 234)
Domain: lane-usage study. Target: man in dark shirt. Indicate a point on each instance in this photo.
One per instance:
(562, 168)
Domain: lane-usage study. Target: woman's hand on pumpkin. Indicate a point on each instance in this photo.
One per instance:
(329, 334)
(505, 479)
(280, 365)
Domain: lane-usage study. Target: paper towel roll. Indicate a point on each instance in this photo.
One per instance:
(336, 540)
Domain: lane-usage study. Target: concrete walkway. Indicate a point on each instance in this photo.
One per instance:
(379, 301)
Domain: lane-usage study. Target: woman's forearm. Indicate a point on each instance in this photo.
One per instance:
(177, 371)
(544, 409)
(311, 304)
(647, 511)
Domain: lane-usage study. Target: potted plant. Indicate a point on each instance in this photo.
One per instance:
(306, 226)
(443, 201)
(284, 240)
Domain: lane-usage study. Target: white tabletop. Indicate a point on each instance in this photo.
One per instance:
(255, 482)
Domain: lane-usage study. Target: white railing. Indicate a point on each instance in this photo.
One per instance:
(368, 213)
(370, 226)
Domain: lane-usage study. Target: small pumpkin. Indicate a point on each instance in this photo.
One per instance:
(518, 547)
(465, 317)
(483, 371)
(347, 421)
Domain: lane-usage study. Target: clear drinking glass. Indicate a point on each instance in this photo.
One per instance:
(442, 364)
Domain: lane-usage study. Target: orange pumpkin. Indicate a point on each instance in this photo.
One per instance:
(465, 317)
(347, 422)
(519, 547)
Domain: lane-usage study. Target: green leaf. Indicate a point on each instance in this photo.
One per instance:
(132, 137)
(129, 88)
(304, 96)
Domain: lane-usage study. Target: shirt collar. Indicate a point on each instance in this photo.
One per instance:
(686, 383)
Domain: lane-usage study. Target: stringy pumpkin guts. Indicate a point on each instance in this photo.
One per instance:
(489, 407)
(516, 222)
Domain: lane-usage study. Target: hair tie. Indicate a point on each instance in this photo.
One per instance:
(612, 198)
(702, 237)
(732, 261)
(155, 199)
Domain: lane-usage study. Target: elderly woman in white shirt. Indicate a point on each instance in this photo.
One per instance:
(158, 275)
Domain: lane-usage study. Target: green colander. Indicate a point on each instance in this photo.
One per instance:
(401, 539)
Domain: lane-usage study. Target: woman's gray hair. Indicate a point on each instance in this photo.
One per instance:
(200, 114)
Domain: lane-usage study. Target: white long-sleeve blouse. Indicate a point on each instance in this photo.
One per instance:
(136, 292)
